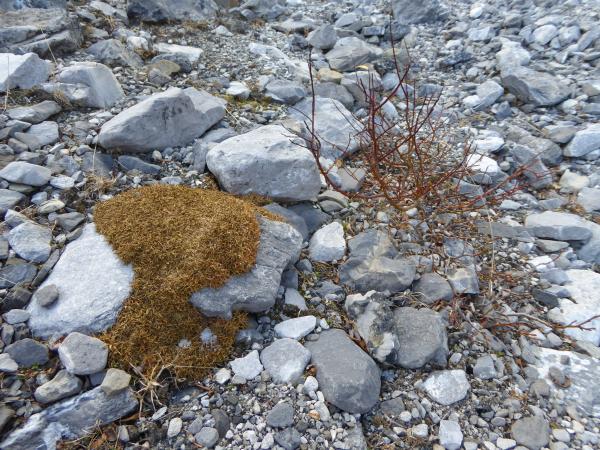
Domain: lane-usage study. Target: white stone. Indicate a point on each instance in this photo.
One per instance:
(450, 435)
(328, 243)
(193, 54)
(247, 367)
(223, 375)
(584, 286)
(92, 283)
(296, 328)
(22, 71)
(447, 386)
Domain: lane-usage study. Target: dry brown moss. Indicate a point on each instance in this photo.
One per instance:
(178, 240)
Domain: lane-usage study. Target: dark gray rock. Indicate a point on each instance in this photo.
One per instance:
(207, 437)
(135, 163)
(16, 273)
(347, 376)
(65, 420)
(349, 52)
(256, 290)
(375, 264)
(113, 53)
(538, 88)
(535, 171)
(410, 12)
(313, 216)
(405, 337)
(157, 11)
(290, 217)
(323, 38)
(281, 416)
(433, 287)
(27, 352)
(289, 438)
(284, 91)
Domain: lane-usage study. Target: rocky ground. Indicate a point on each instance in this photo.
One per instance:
(354, 341)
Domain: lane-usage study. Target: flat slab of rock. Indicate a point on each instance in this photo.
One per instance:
(296, 328)
(558, 226)
(349, 52)
(375, 264)
(532, 432)
(255, 291)
(583, 373)
(35, 113)
(167, 119)
(248, 366)
(265, 161)
(583, 287)
(65, 420)
(405, 337)
(92, 283)
(26, 173)
(347, 376)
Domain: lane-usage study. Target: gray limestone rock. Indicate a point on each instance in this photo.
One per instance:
(92, 284)
(61, 386)
(267, 162)
(22, 71)
(447, 386)
(405, 337)
(347, 376)
(83, 355)
(374, 263)
(31, 241)
(285, 360)
(538, 88)
(65, 420)
(167, 119)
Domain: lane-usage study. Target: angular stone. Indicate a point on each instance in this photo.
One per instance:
(559, 226)
(335, 126)
(265, 161)
(22, 71)
(83, 355)
(27, 352)
(433, 287)
(349, 52)
(166, 10)
(532, 432)
(92, 283)
(286, 92)
(281, 416)
(589, 199)
(31, 241)
(450, 435)
(463, 280)
(585, 141)
(347, 376)
(61, 386)
(207, 437)
(424, 11)
(87, 84)
(538, 88)
(484, 368)
(328, 243)
(406, 337)
(113, 53)
(534, 169)
(255, 291)
(247, 367)
(40, 134)
(115, 381)
(296, 328)
(25, 173)
(323, 37)
(65, 420)
(447, 386)
(167, 119)
(285, 360)
(35, 113)
(290, 217)
(9, 199)
(375, 264)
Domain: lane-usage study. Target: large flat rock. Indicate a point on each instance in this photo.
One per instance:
(92, 283)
